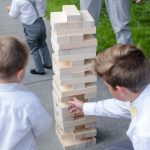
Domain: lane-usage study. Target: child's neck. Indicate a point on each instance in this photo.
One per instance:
(10, 80)
(133, 96)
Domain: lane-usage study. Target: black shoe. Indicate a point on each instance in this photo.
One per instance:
(47, 67)
(33, 71)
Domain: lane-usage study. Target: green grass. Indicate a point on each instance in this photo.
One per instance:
(140, 24)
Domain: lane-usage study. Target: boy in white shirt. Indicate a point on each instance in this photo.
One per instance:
(126, 73)
(22, 118)
(30, 12)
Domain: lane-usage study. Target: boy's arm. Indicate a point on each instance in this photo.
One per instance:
(14, 10)
(110, 107)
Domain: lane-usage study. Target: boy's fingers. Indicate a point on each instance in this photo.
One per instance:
(72, 109)
(78, 112)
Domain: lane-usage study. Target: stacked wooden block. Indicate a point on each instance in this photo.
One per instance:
(74, 48)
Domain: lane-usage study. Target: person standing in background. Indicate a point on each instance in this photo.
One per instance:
(30, 12)
(119, 15)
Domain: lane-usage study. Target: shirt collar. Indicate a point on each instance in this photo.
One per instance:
(6, 87)
(137, 102)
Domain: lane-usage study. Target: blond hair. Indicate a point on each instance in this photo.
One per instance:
(13, 56)
(124, 65)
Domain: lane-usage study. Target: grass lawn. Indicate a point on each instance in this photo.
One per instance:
(140, 24)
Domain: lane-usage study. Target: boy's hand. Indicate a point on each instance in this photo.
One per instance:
(8, 8)
(75, 106)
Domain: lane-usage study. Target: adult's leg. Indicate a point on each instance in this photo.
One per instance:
(119, 14)
(93, 6)
(124, 144)
(43, 46)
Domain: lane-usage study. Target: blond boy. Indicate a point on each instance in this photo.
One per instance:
(126, 72)
(22, 118)
(31, 13)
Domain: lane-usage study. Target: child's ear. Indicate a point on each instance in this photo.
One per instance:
(20, 74)
(122, 90)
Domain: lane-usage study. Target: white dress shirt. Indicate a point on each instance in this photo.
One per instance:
(138, 111)
(24, 10)
(22, 118)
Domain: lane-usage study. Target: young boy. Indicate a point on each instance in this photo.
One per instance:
(22, 118)
(126, 73)
(30, 13)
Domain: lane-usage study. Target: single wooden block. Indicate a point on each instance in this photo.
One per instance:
(71, 13)
(66, 39)
(58, 21)
(79, 54)
(89, 41)
(69, 143)
(76, 57)
(66, 99)
(87, 19)
(88, 77)
(82, 132)
(75, 31)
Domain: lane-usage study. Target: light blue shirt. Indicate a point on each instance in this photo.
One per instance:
(22, 118)
(24, 10)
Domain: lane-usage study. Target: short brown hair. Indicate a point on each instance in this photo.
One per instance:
(124, 65)
(13, 56)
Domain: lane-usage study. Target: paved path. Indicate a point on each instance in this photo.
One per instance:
(109, 130)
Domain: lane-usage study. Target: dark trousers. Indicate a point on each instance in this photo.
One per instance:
(36, 38)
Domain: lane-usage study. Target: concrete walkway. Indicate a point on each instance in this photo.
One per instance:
(109, 130)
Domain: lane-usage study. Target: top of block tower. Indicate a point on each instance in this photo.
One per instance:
(71, 12)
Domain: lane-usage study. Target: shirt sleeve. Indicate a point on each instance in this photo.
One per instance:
(110, 108)
(39, 118)
(14, 10)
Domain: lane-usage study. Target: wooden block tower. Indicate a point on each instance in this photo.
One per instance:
(74, 48)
